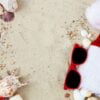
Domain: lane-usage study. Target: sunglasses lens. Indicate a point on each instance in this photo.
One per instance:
(79, 55)
(73, 79)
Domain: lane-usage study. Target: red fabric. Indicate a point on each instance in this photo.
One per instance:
(97, 41)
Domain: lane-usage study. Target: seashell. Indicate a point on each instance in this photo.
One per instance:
(85, 93)
(92, 98)
(16, 97)
(86, 43)
(77, 95)
(7, 16)
(89, 36)
(84, 33)
(9, 85)
(9, 5)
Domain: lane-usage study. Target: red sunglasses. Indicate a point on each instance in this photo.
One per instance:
(4, 98)
(73, 78)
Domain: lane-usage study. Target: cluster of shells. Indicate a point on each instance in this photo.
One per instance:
(7, 9)
(10, 84)
(78, 26)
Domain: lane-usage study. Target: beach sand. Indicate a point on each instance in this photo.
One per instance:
(37, 43)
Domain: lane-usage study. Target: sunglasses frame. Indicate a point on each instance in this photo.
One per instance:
(73, 67)
(2, 98)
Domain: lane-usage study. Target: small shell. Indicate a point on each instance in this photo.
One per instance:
(7, 16)
(85, 93)
(89, 36)
(84, 33)
(86, 43)
(92, 98)
(9, 5)
(16, 97)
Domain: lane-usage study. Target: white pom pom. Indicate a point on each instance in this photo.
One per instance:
(16, 97)
(93, 14)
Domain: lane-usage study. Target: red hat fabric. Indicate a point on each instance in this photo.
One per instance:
(96, 42)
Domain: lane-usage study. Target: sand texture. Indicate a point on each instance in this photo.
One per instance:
(38, 42)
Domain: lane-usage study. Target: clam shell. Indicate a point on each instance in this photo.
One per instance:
(9, 5)
(92, 98)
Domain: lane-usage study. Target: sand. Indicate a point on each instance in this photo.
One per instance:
(37, 43)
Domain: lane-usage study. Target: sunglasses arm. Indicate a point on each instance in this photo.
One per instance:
(4, 98)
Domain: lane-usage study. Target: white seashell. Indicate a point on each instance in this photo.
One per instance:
(93, 14)
(84, 33)
(89, 36)
(77, 95)
(16, 97)
(92, 98)
(85, 93)
(86, 43)
(10, 5)
(9, 85)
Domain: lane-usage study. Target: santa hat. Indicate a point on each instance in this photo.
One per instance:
(90, 69)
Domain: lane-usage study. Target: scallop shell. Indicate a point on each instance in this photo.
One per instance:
(9, 85)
